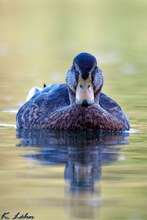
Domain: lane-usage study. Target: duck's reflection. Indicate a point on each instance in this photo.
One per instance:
(84, 154)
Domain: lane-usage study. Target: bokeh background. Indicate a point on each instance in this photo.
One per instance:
(38, 41)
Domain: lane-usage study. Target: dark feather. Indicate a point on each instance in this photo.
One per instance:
(51, 108)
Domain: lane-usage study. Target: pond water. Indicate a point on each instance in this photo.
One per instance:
(73, 175)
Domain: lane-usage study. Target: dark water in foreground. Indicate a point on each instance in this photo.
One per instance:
(73, 175)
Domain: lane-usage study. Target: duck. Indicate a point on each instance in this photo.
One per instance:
(77, 104)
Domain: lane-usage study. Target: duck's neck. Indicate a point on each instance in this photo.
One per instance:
(71, 96)
(97, 99)
(97, 96)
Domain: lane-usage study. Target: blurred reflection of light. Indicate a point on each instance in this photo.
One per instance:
(108, 57)
(3, 50)
(121, 157)
(128, 68)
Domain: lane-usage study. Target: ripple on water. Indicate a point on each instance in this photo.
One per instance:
(7, 125)
(7, 110)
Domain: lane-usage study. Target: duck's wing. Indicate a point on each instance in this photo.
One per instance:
(53, 93)
(42, 104)
(52, 97)
(113, 108)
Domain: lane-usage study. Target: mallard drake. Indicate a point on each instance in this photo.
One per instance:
(78, 104)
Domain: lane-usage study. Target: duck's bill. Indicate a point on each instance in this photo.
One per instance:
(84, 92)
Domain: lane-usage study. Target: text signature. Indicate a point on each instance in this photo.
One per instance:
(18, 215)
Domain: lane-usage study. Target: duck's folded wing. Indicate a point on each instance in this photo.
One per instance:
(114, 109)
(53, 97)
(42, 104)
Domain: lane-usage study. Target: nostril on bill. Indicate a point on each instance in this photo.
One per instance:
(85, 103)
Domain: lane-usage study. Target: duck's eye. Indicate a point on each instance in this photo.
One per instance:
(81, 86)
(88, 86)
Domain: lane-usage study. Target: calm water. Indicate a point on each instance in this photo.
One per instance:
(65, 175)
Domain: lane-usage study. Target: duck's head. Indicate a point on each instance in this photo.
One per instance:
(84, 80)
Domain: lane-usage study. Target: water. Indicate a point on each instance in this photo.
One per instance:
(64, 175)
